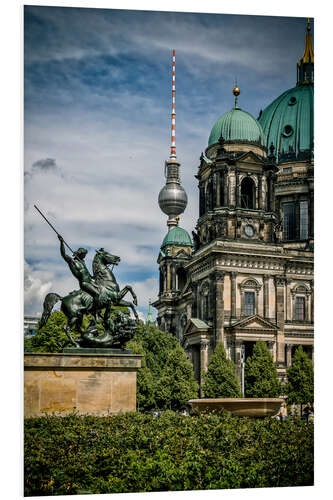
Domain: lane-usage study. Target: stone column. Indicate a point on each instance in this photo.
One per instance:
(260, 198)
(311, 231)
(168, 277)
(289, 347)
(238, 356)
(256, 191)
(225, 187)
(256, 303)
(270, 345)
(218, 189)
(266, 296)
(237, 190)
(308, 306)
(312, 302)
(279, 307)
(219, 306)
(289, 316)
(298, 222)
(232, 188)
(194, 312)
(233, 275)
(203, 362)
(264, 192)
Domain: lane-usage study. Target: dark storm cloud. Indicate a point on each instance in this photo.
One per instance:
(45, 165)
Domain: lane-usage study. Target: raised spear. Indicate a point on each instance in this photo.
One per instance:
(49, 223)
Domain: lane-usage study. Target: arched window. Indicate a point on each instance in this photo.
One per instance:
(247, 193)
(181, 278)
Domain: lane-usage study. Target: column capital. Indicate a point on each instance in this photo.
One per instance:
(280, 280)
(219, 276)
(204, 343)
(233, 274)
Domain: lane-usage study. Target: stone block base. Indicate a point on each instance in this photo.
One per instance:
(96, 384)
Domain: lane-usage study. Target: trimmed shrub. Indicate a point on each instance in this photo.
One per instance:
(139, 453)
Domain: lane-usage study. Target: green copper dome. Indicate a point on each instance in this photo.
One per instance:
(288, 123)
(237, 125)
(177, 237)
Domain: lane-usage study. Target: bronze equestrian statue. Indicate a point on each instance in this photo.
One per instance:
(97, 292)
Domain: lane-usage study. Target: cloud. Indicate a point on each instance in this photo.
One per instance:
(45, 165)
(34, 290)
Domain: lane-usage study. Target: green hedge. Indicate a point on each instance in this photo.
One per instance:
(138, 452)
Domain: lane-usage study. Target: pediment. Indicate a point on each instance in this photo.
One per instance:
(250, 157)
(182, 253)
(195, 325)
(255, 322)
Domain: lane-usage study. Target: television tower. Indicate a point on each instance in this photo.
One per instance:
(172, 198)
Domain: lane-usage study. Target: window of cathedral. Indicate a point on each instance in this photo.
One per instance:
(304, 219)
(247, 193)
(249, 303)
(289, 221)
(300, 308)
(181, 277)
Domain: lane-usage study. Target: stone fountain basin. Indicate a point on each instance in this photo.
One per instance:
(243, 407)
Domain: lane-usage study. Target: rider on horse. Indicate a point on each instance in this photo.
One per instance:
(79, 269)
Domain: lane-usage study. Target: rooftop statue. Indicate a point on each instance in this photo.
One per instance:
(97, 293)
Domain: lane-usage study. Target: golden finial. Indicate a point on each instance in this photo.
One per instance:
(236, 90)
(236, 93)
(308, 28)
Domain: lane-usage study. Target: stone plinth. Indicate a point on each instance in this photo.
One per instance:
(85, 382)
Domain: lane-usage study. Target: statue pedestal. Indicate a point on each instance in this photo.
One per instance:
(96, 383)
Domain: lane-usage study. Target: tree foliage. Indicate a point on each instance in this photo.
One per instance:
(166, 379)
(261, 379)
(51, 337)
(220, 379)
(300, 386)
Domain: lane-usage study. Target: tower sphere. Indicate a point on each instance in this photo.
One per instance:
(172, 199)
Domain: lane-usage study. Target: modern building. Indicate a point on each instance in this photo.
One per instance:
(30, 325)
(248, 273)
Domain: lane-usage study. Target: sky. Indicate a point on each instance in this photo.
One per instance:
(97, 125)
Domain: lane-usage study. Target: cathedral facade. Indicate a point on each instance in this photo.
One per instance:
(247, 272)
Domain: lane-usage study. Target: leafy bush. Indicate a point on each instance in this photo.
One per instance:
(220, 378)
(136, 452)
(261, 379)
(166, 379)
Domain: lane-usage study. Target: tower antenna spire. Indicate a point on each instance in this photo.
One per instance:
(173, 110)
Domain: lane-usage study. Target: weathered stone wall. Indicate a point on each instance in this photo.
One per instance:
(98, 384)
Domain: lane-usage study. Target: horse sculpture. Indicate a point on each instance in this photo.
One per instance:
(79, 302)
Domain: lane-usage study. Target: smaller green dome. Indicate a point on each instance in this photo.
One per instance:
(177, 237)
(237, 125)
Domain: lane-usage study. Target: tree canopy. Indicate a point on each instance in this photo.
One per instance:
(300, 384)
(220, 379)
(166, 379)
(261, 379)
(51, 337)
